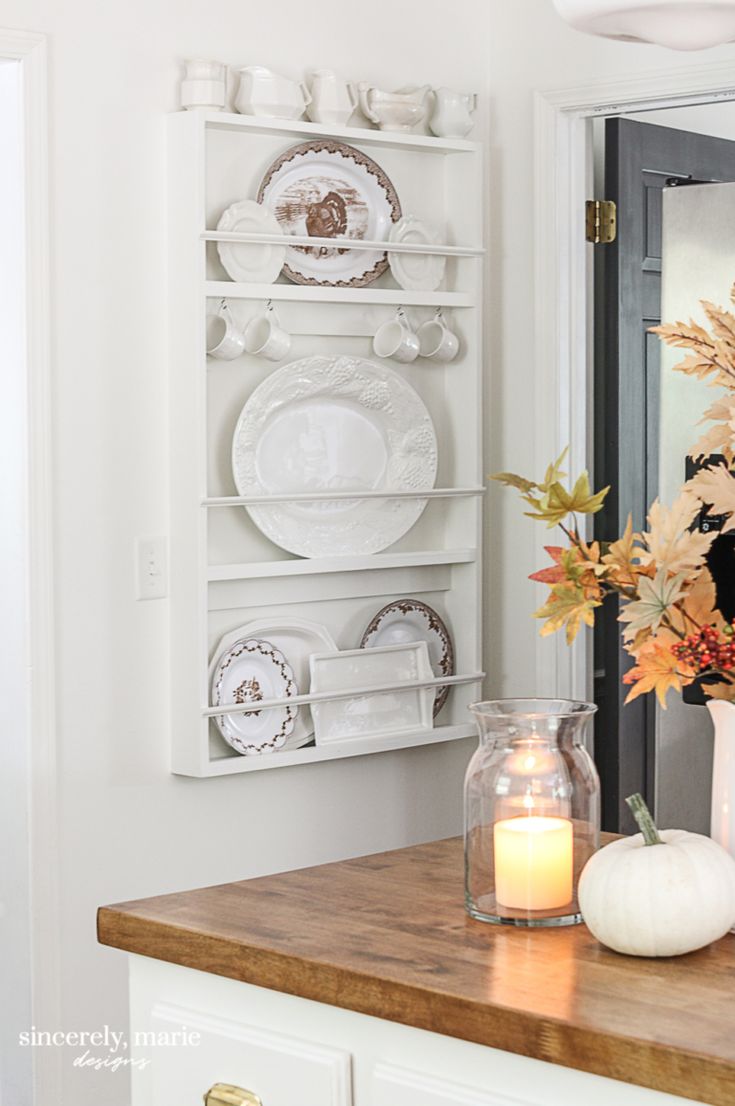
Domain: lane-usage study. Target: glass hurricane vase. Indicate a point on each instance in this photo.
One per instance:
(532, 811)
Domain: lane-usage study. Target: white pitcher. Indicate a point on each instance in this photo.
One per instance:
(263, 92)
(333, 99)
(452, 114)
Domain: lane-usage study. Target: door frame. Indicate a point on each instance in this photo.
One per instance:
(39, 839)
(563, 286)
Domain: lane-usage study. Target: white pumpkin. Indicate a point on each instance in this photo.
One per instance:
(661, 899)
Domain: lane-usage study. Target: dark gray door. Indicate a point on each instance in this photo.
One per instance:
(640, 161)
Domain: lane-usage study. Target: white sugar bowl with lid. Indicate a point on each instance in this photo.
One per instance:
(203, 86)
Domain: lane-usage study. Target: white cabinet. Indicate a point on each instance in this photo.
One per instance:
(224, 571)
(291, 1051)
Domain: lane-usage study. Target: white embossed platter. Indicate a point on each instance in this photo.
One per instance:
(407, 620)
(327, 189)
(392, 712)
(247, 671)
(296, 639)
(419, 272)
(334, 424)
(250, 262)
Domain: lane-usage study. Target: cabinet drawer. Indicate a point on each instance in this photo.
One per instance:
(281, 1070)
(395, 1086)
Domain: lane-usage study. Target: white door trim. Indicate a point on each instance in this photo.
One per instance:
(563, 286)
(30, 50)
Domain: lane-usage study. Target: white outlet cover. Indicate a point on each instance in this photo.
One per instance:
(151, 568)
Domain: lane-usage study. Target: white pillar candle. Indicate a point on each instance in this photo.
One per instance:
(533, 862)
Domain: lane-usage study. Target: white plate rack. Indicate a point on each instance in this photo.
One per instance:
(224, 572)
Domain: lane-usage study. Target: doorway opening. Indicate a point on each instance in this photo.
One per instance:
(660, 133)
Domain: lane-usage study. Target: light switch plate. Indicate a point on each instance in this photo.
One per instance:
(151, 568)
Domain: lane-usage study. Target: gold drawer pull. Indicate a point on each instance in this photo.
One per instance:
(225, 1094)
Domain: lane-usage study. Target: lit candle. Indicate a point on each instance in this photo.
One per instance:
(533, 862)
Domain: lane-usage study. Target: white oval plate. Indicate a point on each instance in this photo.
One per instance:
(419, 272)
(297, 639)
(247, 671)
(408, 620)
(327, 189)
(256, 263)
(334, 424)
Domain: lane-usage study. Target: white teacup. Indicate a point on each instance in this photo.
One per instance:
(436, 340)
(225, 340)
(396, 339)
(264, 337)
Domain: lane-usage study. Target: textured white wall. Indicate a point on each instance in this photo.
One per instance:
(129, 828)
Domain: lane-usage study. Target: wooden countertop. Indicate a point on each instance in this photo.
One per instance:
(387, 935)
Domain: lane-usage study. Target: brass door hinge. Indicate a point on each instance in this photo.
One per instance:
(601, 222)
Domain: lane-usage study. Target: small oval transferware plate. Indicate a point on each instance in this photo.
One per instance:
(296, 639)
(248, 671)
(334, 424)
(327, 189)
(408, 620)
(250, 262)
(418, 272)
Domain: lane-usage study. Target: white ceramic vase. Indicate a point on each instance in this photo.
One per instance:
(722, 824)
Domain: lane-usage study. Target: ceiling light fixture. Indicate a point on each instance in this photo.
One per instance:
(677, 24)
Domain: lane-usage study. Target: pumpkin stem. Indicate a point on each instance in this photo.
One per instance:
(644, 818)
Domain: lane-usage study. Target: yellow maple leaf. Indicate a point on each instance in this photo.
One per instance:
(568, 606)
(557, 502)
(715, 488)
(656, 669)
(623, 556)
(671, 544)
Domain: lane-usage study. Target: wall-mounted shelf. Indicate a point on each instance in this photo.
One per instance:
(224, 571)
(355, 747)
(319, 566)
(359, 136)
(307, 293)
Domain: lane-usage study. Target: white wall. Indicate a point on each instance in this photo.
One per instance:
(129, 828)
(15, 1066)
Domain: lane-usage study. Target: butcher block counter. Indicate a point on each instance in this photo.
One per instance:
(364, 983)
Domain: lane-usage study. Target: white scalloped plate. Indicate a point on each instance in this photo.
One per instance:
(418, 272)
(334, 424)
(254, 262)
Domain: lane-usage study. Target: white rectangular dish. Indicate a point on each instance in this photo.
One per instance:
(391, 712)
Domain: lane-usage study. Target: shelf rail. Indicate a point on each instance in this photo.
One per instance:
(430, 248)
(328, 496)
(345, 693)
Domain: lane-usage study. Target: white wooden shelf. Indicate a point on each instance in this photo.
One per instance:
(401, 140)
(308, 293)
(320, 566)
(355, 747)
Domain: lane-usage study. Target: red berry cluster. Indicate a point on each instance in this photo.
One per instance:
(708, 648)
